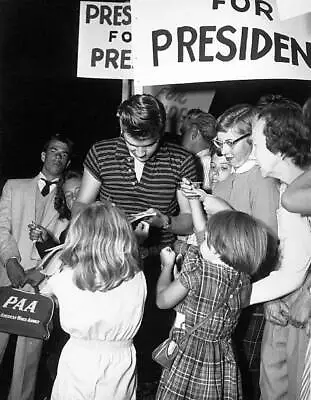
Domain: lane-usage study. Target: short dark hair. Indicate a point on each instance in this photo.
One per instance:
(204, 122)
(142, 116)
(240, 239)
(60, 138)
(240, 116)
(286, 131)
(271, 98)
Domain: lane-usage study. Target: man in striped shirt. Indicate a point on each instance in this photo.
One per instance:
(139, 171)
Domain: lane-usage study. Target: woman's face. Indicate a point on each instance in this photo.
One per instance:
(71, 190)
(238, 152)
(220, 169)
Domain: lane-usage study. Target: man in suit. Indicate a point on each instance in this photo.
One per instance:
(24, 202)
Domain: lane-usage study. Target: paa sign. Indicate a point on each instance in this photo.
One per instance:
(105, 40)
(180, 41)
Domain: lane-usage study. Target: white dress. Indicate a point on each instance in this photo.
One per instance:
(99, 360)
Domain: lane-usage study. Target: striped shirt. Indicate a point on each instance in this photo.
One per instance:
(110, 163)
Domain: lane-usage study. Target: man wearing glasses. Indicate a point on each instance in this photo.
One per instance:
(245, 190)
(139, 171)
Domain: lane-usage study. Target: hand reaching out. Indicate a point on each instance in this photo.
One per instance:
(213, 204)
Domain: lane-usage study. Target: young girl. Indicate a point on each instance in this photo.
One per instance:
(233, 250)
(220, 169)
(101, 294)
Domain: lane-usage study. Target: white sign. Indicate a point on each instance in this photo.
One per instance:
(105, 40)
(292, 8)
(179, 41)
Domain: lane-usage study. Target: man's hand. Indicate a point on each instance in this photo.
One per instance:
(300, 310)
(276, 312)
(15, 272)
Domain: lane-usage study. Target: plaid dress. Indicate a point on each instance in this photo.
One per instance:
(205, 366)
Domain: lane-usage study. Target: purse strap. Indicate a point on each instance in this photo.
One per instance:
(190, 331)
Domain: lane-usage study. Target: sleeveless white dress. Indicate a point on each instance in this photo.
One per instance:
(99, 359)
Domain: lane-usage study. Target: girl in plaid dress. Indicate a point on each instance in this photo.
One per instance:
(234, 247)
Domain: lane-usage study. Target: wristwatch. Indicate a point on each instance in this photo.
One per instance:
(167, 224)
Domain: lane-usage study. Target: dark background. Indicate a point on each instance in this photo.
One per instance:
(41, 95)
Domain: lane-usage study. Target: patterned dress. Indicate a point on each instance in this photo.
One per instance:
(205, 366)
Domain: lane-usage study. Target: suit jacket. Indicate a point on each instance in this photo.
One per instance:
(17, 211)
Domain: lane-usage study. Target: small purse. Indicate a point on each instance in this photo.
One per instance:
(167, 351)
(25, 314)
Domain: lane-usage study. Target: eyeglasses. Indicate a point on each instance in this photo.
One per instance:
(229, 142)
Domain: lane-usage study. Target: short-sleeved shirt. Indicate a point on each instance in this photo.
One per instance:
(251, 193)
(110, 162)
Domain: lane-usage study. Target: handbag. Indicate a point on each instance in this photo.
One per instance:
(25, 314)
(167, 351)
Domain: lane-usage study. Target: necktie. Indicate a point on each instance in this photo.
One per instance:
(46, 188)
(306, 376)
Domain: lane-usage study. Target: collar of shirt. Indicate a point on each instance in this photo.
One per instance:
(41, 183)
(203, 153)
(249, 164)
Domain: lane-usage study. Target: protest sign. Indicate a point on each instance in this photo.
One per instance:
(105, 40)
(179, 99)
(181, 41)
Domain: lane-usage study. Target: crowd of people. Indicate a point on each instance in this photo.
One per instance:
(230, 202)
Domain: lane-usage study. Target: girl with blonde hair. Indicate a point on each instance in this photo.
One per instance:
(101, 293)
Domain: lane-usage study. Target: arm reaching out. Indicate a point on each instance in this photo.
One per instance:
(88, 192)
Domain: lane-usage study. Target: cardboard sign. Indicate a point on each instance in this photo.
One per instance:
(179, 99)
(105, 40)
(181, 41)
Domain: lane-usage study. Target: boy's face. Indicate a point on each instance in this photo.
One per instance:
(55, 159)
(268, 161)
(141, 149)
